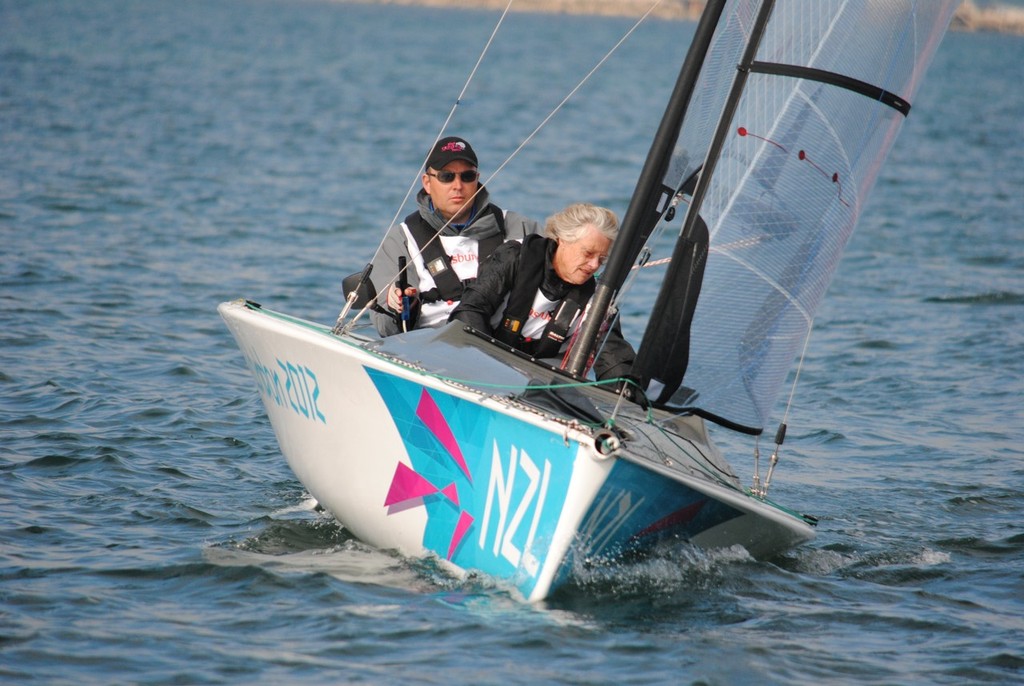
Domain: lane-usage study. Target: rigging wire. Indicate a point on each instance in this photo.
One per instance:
(416, 177)
(780, 435)
(578, 86)
(451, 115)
(515, 152)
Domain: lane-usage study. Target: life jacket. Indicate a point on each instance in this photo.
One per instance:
(447, 284)
(527, 306)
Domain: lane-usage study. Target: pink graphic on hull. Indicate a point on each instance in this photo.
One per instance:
(465, 520)
(452, 492)
(430, 414)
(408, 485)
(675, 519)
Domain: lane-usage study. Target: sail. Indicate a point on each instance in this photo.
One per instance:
(822, 90)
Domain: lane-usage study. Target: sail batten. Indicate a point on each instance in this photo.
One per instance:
(789, 156)
(832, 78)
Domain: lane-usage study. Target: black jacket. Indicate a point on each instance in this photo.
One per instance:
(495, 281)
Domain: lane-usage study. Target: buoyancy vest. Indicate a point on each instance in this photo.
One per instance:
(447, 284)
(528, 310)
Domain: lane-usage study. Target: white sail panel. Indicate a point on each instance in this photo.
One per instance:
(820, 110)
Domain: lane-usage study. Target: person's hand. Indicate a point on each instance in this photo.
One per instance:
(395, 298)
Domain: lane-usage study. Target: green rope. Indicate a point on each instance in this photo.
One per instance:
(608, 423)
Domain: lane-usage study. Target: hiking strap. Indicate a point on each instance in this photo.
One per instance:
(447, 284)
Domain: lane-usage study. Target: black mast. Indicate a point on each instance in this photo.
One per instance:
(643, 213)
(664, 352)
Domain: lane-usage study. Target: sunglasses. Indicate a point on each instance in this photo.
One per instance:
(448, 176)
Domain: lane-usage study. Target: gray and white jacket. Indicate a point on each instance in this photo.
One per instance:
(461, 244)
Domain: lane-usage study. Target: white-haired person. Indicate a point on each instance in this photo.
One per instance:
(531, 294)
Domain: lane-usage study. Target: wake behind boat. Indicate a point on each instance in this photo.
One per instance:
(444, 442)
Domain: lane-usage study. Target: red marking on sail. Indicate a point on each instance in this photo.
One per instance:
(742, 131)
(406, 485)
(465, 521)
(801, 155)
(677, 518)
(834, 178)
(430, 414)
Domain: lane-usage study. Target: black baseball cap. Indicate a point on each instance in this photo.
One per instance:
(448, 150)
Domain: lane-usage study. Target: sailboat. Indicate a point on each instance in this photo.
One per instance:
(445, 443)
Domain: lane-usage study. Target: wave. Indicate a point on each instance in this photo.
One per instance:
(994, 298)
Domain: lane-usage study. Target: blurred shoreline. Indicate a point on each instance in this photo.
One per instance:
(970, 16)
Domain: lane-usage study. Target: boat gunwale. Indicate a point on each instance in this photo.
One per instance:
(569, 428)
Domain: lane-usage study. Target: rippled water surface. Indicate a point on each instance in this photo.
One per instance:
(159, 158)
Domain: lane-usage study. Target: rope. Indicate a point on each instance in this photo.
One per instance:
(440, 134)
(451, 115)
(579, 85)
(796, 376)
(762, 489)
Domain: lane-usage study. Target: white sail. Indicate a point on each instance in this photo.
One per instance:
(822, 101)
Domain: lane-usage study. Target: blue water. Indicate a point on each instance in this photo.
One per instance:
(159, 158)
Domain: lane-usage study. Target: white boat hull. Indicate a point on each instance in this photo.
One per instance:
(460, 463)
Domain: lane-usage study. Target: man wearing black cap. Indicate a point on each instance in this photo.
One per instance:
(455, 207)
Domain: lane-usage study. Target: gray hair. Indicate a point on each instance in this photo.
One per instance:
(568, 224)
